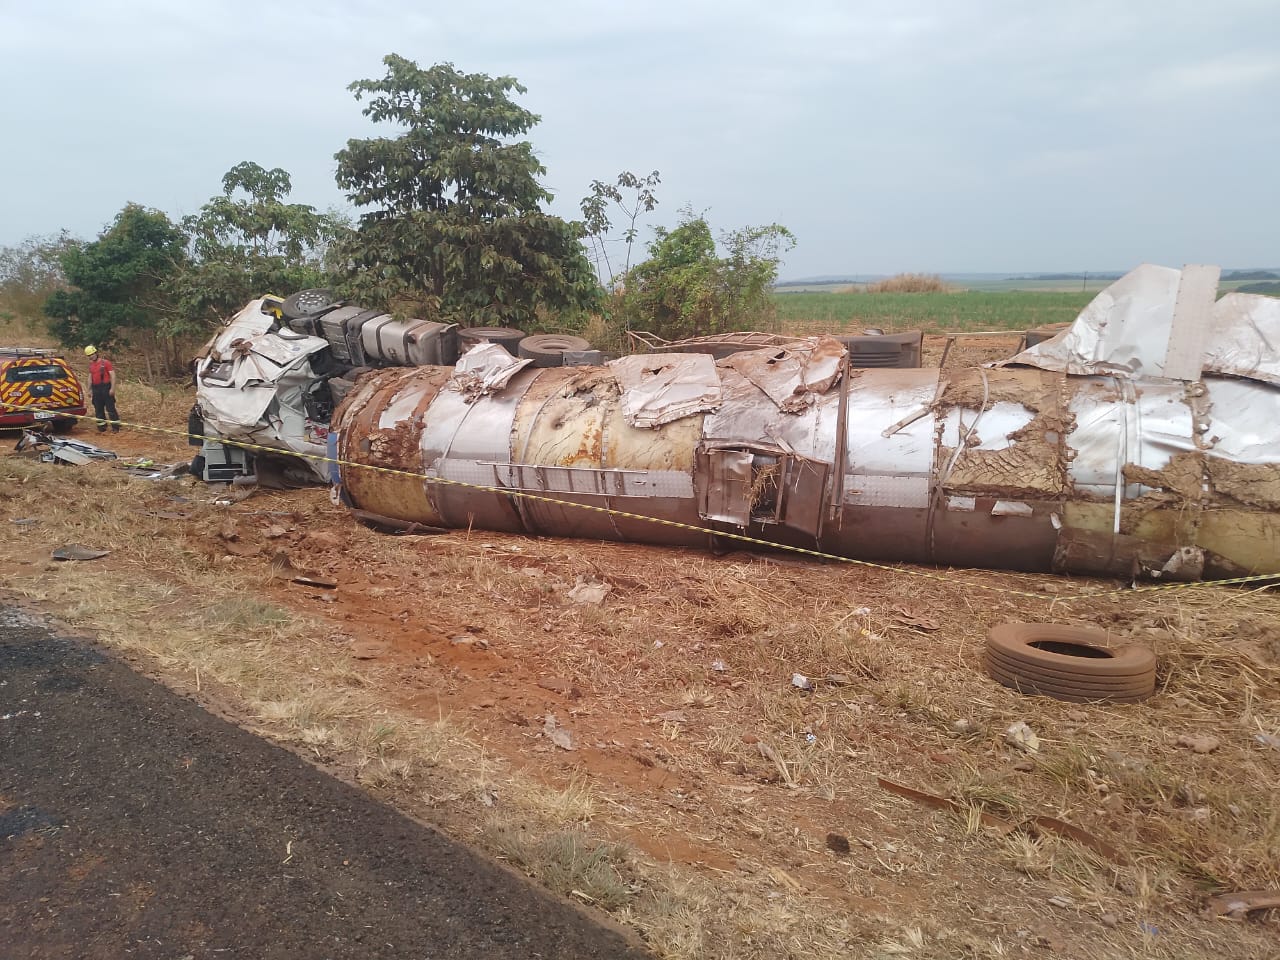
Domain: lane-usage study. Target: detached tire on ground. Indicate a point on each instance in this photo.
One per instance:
(1068, 663)
(548, 349)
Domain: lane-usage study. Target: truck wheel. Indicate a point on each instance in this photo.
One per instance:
(305, 303)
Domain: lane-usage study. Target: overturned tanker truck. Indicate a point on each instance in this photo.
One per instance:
(1142, 440)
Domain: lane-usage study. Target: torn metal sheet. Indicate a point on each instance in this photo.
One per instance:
(660, 389)
(1150, 322)
(1124, 331)
(485, 368)
(1246, 338)
(793, 377)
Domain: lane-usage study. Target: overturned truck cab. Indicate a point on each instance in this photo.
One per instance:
(1130, 444)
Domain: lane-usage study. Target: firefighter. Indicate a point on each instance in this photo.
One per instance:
(102, 383)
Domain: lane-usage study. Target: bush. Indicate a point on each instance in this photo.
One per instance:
(910, 283)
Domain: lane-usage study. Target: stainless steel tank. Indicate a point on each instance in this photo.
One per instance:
(1023, 469)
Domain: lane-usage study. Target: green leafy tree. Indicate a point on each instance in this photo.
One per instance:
(31, 271)
(687, 289)
(247, 241)
(116, 284)
(453, 225)
(632, 195)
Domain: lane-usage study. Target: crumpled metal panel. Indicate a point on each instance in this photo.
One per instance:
(1127, 330)
(748, 416)
(792, 377)
(1246, 338)
(485, 368)
(1123, 331)
(660, 389)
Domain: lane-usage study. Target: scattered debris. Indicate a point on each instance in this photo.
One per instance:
(1239, 905)
(25, 521)
(943, 803)
(556, 734)
(1023, 737)
(801, 682)
(1268, 740)
(1065, 903)
(1199, 744)
(673, 716)
(587, 591)
(61, 449)
(719, 666)
(1034, 825)
(838, 844)
(905, 618)
(324, 583)
(560, 686)
(1082, 837)
(76, 551)
(964, 726)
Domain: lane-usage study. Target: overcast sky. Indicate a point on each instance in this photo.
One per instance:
(983, 136)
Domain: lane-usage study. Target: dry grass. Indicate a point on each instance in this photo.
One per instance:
(697, 801)
(908, 283)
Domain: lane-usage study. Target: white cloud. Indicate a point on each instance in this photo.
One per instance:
(885, 132)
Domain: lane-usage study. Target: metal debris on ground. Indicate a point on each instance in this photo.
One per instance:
(324, 583)
(76, 551)
(557, 734)
(1200, 743)
(1239, 905)
(590, 592)
(63, 450)
(1023, 737)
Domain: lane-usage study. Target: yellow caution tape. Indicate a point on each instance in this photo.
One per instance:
(738, 537)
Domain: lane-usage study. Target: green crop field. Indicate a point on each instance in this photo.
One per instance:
(968, 310)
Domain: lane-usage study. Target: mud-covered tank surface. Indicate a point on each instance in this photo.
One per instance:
(1080, 454)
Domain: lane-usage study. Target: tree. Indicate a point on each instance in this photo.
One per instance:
(117, 281)
(32, 270)
(248, 241)
(684, 289)
(453, 224)
(639, 198)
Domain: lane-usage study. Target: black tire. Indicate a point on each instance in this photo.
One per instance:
(506, 337)
(548, 349)
(1068, 663)
(306, 303)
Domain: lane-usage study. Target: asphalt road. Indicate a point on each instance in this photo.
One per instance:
(133, 823)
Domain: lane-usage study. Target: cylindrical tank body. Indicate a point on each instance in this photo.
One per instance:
(1014, 468)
